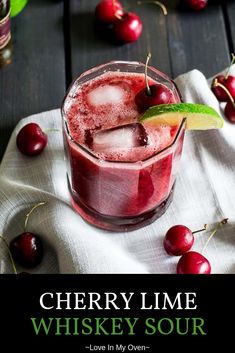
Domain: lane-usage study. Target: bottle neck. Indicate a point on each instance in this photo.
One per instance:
(4, 8)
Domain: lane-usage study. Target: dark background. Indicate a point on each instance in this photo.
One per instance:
(54, 41)
(19, 301)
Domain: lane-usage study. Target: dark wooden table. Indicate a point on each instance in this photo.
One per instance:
(54, 41)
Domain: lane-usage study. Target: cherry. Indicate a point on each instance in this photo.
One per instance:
(27, 249)
(159, 95)
(220, 94)
(108, 11)
(31, 140)
(153, 94)
(227, 81)
(197, 5)
(193, 262)
(128, 28)
(230, 85)
(179, 239)
(229, 112)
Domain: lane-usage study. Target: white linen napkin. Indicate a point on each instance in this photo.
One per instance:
(204, 193)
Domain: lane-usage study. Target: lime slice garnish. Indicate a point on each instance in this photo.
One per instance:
(17, 6)
(198, 116)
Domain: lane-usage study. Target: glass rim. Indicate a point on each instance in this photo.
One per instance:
(90, 152)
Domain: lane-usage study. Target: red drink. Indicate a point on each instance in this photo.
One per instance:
(121, 174)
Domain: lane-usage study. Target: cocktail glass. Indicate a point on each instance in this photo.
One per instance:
(114, 195)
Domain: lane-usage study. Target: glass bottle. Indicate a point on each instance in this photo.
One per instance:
(5, 33)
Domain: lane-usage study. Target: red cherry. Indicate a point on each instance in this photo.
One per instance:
(193, 262)
(159, 95)
(108, 11)
(220, 94)
(229, 112)
(129, 28)
(27, 249)
(228, 83)
(197, 4)
(31, 140)
(178, 240)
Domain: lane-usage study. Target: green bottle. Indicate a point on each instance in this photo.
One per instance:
(17, 6)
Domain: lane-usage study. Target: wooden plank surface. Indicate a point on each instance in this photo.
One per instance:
(198, 40)
(231, 23)
(37, 78)
(89, 48)
(35, 81)
(179, 42)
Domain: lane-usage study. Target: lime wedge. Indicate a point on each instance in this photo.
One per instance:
(17, 6)
(199, 116)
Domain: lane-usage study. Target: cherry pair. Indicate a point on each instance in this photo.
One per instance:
(223, 86)
(178, 240)
(127, 26)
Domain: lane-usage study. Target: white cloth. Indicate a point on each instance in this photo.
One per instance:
(204, 193)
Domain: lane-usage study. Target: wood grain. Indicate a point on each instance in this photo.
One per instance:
(91, 47)
(230, 15)
(179, 42)
(35, 81)
(198, 40)
(45, 60)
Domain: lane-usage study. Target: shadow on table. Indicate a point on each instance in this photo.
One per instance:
(4, 137)
(88, 33)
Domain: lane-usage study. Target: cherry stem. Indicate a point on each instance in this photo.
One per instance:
(224, 221)
(217, 84)
(117, 16)
(201, 230)
(148, 90)
(158, 3)
(9, 253)
(30, 212)
(231, 64)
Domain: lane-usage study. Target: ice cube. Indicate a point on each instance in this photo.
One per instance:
(107, 94)
(121, 137)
